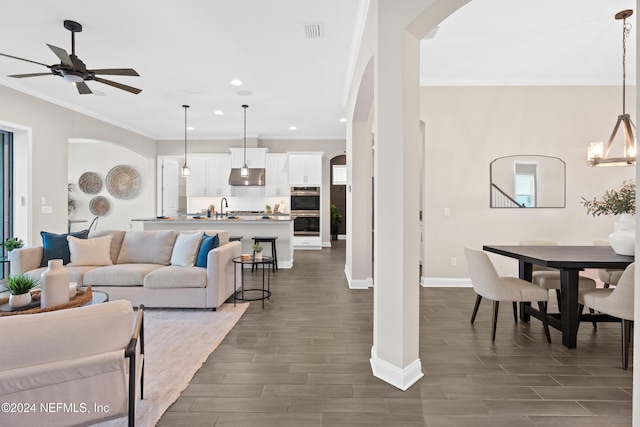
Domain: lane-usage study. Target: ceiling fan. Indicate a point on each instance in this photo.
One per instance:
(72, 69)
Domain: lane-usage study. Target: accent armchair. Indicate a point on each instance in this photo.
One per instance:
(71, 367)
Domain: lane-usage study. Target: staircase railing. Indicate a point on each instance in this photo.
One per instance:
(500, 199)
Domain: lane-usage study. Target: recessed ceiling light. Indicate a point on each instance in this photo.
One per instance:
(292, 128)
(190, 128)
(343, 120)
(236, 82)
(218, 113)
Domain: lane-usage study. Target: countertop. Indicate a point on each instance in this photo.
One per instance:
(190, 219)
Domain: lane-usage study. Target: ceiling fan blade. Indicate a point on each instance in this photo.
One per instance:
(62, 54)
(83, 89)
(22, 59)
(116, 71)
(20, 76)
(118, 85)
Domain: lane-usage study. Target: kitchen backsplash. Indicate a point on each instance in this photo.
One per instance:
(240, 203)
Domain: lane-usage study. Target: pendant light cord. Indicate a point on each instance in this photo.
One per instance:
(245, 134)
(625, 33)
(185, 133)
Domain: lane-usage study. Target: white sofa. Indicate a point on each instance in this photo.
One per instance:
(71, 367)
(141, 267)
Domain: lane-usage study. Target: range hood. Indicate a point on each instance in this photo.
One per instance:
(256, 177)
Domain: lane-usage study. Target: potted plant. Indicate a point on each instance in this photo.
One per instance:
(268, 208)
(620, 202)
(336, 220)
(257, 252)
(19, 286)
(71, 203)
(12, 243)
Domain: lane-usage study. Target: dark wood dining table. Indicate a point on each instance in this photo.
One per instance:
(569, 260)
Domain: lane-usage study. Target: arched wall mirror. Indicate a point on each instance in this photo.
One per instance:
(528, 182)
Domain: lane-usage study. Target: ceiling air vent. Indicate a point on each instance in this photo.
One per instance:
(431, 34)
(312, 31)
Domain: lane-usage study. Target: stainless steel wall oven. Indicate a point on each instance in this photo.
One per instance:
(305, 199)
(305, 208)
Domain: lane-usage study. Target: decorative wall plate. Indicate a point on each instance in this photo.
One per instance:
(123, 182)
(90, 182)
(100, 206)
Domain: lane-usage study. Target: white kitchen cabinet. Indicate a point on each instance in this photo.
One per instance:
(209, 175)
(217, 178)
(196, 181)
(307, 242)
(305, 169)
(255, 157)
(276, 175)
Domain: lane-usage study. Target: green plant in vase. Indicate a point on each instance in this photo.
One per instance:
(257, 252)
(614, 202)
(19, 286)
(620, 202)
(336, 220)
(12, 243)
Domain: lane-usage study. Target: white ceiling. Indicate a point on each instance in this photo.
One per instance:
(530, 42)
(188, 52)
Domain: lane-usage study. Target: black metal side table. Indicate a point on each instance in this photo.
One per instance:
(265, 292)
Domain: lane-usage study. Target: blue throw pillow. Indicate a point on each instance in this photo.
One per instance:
(207, 243)
(56, 246)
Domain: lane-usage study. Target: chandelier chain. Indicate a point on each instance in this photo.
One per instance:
(626, 29)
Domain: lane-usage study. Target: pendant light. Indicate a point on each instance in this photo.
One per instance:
(186, 170)
(597, 153)
(244, 171)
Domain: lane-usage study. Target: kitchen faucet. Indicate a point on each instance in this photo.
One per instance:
(223, 205)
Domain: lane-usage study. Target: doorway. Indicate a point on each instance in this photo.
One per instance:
(6, 192)
(338, 197)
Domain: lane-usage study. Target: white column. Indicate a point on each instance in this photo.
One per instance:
(394, 356)
(358, 268)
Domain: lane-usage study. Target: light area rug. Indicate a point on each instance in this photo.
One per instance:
(177, 342)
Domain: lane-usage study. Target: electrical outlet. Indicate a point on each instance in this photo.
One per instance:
(43, 201)
(447, 212)
(454, 262)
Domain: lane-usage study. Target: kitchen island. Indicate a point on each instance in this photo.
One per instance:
(245, 226)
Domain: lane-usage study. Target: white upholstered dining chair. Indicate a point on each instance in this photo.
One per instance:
(616, 302)
(488, 284)
(549, 278)
(609, 276)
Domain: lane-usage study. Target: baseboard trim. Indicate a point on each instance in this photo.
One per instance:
(281, 264)
(357, 284)
(397, 377)
(445, 282)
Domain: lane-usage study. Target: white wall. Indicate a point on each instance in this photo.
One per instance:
(47, 129)
(99, 157)
(468, 127)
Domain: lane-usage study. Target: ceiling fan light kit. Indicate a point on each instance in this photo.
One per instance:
(73, 70)
(597, 152)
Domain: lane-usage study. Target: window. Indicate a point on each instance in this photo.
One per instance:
(339, 175)
(525, 185)
(6, 190)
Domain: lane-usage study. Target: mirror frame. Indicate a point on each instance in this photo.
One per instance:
(528, 158)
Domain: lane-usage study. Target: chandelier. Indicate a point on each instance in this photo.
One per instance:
(598, 153)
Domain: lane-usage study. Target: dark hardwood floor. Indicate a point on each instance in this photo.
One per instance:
(303, 360)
